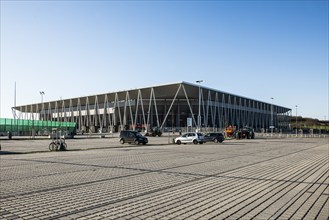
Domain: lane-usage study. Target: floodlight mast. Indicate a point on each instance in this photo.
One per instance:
(272, 124)
(296, 121)
(42, 93)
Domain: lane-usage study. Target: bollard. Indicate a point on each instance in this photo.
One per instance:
(9, 135)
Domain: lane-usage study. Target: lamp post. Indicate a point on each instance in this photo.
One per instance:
(199, 112)
(296, 122)
(42, 93)
(272, 125)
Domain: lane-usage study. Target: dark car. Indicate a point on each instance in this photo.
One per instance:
(214, 137)
(154, 132)
(246, 132)
(132, 137)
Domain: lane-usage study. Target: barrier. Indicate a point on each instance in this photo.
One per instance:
(21, 125)
(282, 135)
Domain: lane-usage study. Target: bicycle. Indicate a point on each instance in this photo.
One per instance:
(58, 144)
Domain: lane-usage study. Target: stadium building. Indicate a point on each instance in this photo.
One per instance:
(171, 106)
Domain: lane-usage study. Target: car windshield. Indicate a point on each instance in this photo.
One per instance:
(200, 135)
(139, 135)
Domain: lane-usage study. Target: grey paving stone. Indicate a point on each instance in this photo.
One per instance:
(261, 179)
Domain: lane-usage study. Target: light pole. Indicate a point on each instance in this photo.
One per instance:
(42, 93)
(272, 126)
(296, 121)
(199, 112)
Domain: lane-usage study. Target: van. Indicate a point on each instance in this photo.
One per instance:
(132, 137)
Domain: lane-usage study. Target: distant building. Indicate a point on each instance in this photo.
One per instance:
(170, 106)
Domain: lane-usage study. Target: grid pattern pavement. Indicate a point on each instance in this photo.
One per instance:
(246, 179)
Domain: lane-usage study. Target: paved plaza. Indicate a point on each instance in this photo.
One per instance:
(97, 178)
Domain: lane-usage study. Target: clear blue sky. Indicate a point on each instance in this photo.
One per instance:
(257, 49)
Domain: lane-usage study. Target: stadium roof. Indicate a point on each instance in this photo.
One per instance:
(161, 92)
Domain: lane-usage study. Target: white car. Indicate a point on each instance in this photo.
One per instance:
(192, 137)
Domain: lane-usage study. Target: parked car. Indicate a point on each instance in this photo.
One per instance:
(214, 137)
(246, 132)
(154, 132)
(192, 137)
(132, 137)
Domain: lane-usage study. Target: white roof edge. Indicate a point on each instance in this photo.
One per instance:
(168, 84)
(217, 90)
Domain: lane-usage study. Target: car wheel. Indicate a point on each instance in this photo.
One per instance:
(178, 142)
(216, 140)
(137, 142)
(195, 142)
(122, 141)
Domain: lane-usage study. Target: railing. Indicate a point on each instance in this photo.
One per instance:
(282, 135)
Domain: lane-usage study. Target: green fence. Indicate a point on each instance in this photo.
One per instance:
(20, 125)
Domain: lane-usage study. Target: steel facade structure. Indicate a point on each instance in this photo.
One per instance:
(166, 106)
